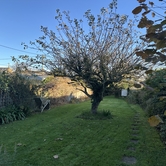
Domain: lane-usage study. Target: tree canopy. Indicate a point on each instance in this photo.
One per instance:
(96, 56)
(153, 18)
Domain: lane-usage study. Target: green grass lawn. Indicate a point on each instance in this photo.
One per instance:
(77, 142)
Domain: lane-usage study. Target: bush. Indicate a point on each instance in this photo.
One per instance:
(133, 97)
(106, 113)
(20, 90)
(163, 132)
(148, 100)
(157, 102)
(11, 113)
(153, 101)
(100, 115)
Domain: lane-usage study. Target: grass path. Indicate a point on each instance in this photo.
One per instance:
(124, 140)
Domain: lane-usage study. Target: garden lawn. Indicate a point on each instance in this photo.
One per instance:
(57, 138)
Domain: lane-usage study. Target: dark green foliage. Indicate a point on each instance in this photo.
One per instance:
(113, 90)
(133, 97)
(21, 93)
(152, 101)
(154, 106)
(11, 113)
(163, 132)
(138, 97)
(157, 79)
(162, 129)
(149, 101)
(106, 113)
(156, 103)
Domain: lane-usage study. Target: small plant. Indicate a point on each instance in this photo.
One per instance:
(106, 113)
(10, 114)
(101, 115)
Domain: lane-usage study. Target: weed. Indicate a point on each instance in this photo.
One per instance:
(100, 115)
(11, 113)
(107, 113)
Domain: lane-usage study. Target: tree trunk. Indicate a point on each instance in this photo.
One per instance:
(95, 103)
(97, 97)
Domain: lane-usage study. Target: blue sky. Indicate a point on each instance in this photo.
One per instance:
(20, 20)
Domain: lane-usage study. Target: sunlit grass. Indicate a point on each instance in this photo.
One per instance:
(76, 141)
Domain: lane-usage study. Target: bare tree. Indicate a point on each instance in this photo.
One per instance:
(96, 56)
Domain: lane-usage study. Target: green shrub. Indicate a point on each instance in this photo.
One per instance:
(11, 113)
(133, 97)
(20, 90)
(153, 101)
(106, 113)
(155, 104)
(148, 100)
(163, 132)
(100, 115)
